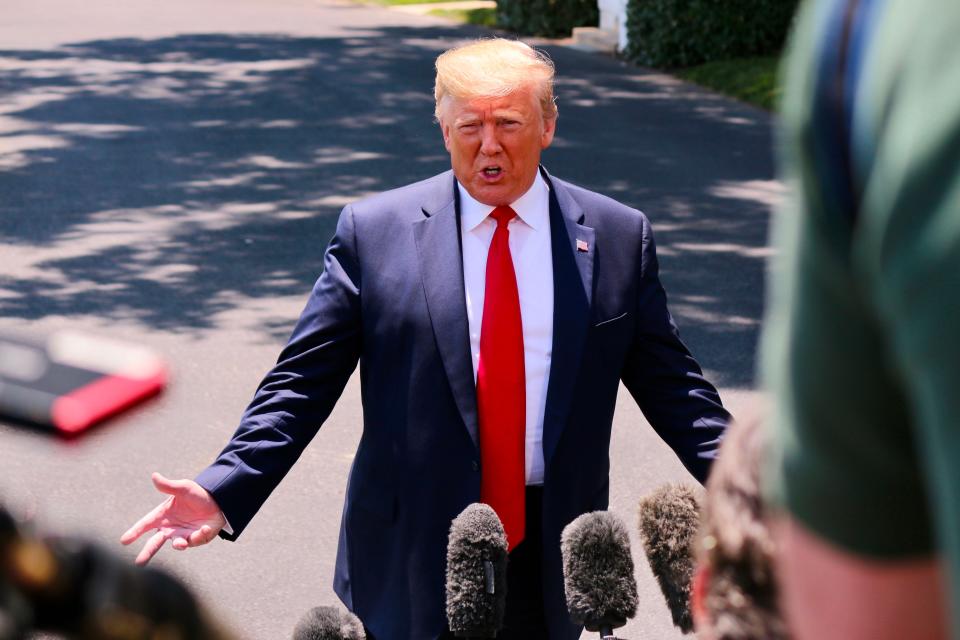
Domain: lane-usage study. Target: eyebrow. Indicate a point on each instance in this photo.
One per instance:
(502, 115)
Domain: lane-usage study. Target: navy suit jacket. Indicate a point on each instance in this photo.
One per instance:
(391, 297)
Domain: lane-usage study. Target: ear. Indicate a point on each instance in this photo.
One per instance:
(698, 600)
(445, 130)
(549, 128)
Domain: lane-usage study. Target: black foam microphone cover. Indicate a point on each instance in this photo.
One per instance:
(329, 623)
(476, 573)
(598, 571)
(669, 520)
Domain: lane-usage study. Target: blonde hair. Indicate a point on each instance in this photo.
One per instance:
(492, 68)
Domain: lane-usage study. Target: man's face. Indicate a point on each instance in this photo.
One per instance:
(495, 144)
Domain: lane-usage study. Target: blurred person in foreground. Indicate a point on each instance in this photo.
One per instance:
(734, 592)
(494, 311)
(63, 586)
(862, 347)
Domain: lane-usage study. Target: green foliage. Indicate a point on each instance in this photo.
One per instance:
(682, 33)
(483, 16)
(400, 2)
(752, 80)
(551, 18)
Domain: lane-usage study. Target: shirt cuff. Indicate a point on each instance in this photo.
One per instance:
(226, 525)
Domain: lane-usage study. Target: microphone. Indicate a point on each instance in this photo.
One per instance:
(598, 572)
(669, 520)
(476, 573)
(329, 623)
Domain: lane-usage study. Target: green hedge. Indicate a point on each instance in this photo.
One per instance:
(681, 33)
(552, 18)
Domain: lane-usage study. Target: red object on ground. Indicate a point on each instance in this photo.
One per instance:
(70, 381)
(97, 401)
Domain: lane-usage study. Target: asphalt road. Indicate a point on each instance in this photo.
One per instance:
(170, 174)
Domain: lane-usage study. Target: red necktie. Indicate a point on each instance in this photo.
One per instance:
(501, 387)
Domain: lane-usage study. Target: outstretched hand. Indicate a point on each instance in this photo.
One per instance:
(190, 517)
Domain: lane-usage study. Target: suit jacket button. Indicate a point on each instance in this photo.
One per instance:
(475, 465)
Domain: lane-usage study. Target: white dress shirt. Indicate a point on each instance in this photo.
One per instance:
(532, 255)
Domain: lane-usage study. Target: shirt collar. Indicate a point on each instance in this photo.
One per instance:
(532, 207)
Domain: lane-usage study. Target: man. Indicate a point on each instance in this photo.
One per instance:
(861, 350)
(493, 310)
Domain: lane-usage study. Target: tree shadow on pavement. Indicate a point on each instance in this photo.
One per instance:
(171, 181)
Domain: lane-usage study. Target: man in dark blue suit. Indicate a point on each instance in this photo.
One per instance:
(493, 310)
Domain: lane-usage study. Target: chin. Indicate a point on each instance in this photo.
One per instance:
(492, 197)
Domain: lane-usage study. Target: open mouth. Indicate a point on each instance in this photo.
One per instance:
(492, 172)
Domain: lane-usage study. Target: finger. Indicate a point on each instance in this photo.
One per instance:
(150, 549)
(203, 535)
(180, 543)
(166, 485)
(144, 524)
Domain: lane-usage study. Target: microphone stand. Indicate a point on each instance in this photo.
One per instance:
(606, 626)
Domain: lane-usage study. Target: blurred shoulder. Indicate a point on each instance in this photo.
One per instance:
(598, 209)
(409, 201)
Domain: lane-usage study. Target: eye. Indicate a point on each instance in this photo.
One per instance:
(468, 127)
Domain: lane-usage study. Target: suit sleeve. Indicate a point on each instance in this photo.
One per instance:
(298, 394)
(664, 378)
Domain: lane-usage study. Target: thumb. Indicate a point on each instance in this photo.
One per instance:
(166, 485)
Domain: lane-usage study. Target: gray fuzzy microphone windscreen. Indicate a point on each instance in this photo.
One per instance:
(329, 623)
(476, 573)
(598, 571)
(669, 520)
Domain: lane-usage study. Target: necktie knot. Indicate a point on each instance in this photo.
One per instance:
(503, 215)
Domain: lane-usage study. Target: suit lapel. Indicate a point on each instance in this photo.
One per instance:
(573, 246)
(441, 269)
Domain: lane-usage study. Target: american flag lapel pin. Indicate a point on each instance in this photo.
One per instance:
(582, 245)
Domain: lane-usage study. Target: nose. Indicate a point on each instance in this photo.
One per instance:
(490, 144)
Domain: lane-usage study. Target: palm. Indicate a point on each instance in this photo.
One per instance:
(181, 516)
(189, 516)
